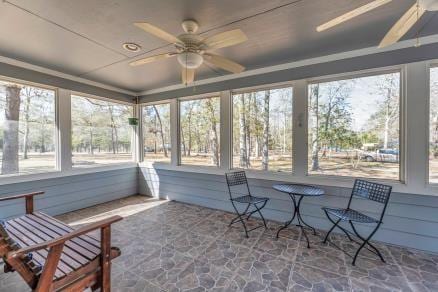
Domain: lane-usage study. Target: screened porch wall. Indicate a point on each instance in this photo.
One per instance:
(69, 193)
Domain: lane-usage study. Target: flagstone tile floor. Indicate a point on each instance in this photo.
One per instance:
(172, 246)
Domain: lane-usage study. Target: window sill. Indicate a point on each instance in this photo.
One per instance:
(319, 180)
(12, 179)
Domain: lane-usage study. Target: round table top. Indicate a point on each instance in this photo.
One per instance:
(297, 189)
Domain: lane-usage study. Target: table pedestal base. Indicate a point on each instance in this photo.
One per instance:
(300, 220)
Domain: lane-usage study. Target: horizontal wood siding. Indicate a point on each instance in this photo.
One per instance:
(411, 220)
(69, 193)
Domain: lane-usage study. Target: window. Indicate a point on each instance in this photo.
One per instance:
(200, 131)
(433, 128)
(156, 132)
(101, 133)
(27, 129)
(262, 130)
(354, 127)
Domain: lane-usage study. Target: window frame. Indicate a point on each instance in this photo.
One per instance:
(273, 86)
(402, 119)
(134, 142)
(178, 159)
(431, 65)
(13, 177)
(141, 134)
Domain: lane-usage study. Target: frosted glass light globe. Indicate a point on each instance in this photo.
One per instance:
(190, 60)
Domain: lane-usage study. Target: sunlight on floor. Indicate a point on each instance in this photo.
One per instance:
(124, 211)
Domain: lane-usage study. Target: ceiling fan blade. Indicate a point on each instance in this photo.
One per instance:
(223, 63)
(152, 59)
(158, 32)
(351, 14)
(225, 39)
(402, 26)
(187, 75)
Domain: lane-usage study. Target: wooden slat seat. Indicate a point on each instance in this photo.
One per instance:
(37, 228)
(52, 256)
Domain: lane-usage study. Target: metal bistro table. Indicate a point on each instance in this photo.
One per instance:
(297, 192)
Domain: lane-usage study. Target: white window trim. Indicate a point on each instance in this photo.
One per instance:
(402, 116)
(134, 132)
(140, 129)
(15, 178)
(288, 84)
(413, 181)
(177, 115)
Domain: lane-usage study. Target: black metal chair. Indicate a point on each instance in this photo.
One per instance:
(372, 191)
(238, 185)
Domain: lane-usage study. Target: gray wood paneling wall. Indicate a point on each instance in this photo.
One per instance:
(64, 194)
(411, 220)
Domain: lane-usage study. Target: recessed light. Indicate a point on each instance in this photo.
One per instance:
(132, 47)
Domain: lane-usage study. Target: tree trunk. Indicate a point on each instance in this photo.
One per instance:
(213, 134)
(387, 119)
(265, 156)
(10, 132)
(242, 141)
(91, 140)
(26, 128)
(315, 131)
(183, 142)
(161, 130)
(113, 138)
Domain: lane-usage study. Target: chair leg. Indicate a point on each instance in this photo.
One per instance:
(259, 211)
(239, 216)
(331, 229)
(364, 242)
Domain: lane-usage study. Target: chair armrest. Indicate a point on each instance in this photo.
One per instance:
(20, 196)
(61, 240)
(28, 197)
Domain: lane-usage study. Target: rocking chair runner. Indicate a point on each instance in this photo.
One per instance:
(368, 190)
(51, 256)
(238, 179)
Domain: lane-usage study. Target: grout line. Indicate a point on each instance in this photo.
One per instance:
(294, 261)
(410, 285)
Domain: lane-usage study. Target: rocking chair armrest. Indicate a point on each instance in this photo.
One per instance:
(61, 240)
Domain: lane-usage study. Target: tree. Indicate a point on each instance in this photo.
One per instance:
(265, 157)
(10, 134)
(27, 94)
(385, 119)
(213, 132)
(160, 124)
(314, 107)
(242, 141)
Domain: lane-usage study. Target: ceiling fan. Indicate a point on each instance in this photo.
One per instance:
(192, 50)
(400, 28)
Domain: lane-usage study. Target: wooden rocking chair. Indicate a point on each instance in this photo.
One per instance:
(51, 256)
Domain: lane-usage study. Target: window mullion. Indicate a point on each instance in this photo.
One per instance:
(63, 123)
(416, 92)
(137, 135)
(299, 137)
(174, 133)
(225, 130)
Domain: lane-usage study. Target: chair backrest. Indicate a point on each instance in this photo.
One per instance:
(372, 191)
(237, 183)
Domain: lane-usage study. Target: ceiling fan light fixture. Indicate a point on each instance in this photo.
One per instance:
(190, 60)
(131, 47)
